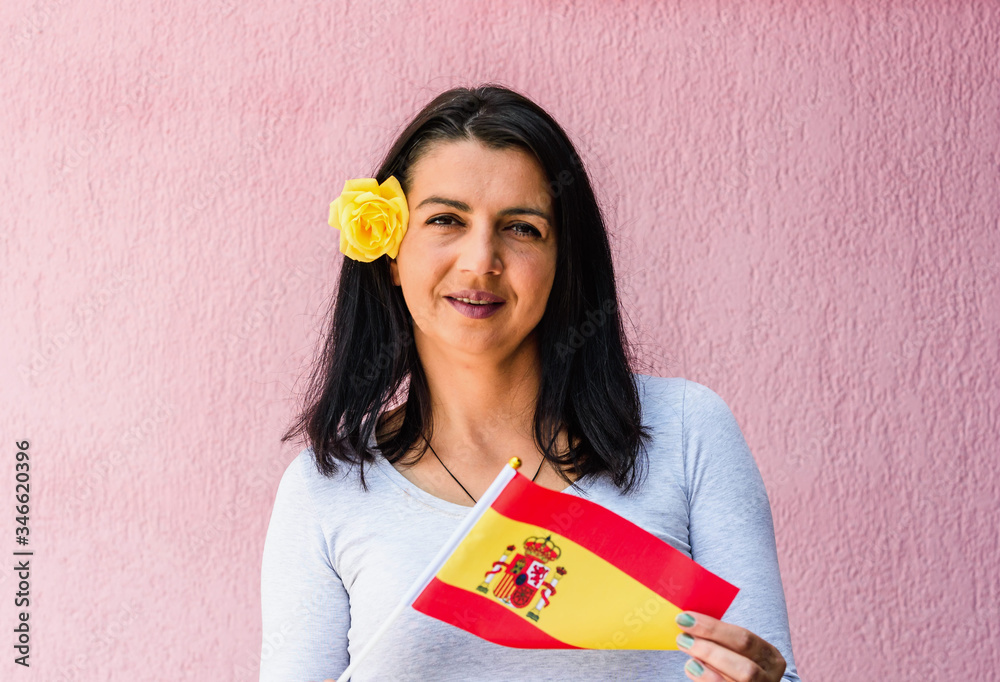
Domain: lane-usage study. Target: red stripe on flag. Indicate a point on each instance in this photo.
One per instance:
(482, 616)
(651, 561)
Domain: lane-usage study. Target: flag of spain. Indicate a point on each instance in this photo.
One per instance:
(543, 570)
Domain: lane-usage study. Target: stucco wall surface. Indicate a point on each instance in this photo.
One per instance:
(804, 199)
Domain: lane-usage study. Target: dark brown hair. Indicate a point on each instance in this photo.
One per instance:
(587, 385)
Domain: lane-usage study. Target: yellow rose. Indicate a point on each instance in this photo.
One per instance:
(371, 218)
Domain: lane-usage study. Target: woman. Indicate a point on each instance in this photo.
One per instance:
(485, 325)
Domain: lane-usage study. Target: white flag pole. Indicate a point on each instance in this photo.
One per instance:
(491, 494)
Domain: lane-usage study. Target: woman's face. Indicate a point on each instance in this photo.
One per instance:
(480, 222)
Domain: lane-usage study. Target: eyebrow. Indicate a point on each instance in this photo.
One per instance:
(462, 206)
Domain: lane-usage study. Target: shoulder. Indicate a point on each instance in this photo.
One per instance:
(695, 428)
(303, 485)
(293, 497)
(301, 474)
(710, 444)
(680, 400)
(304, 471)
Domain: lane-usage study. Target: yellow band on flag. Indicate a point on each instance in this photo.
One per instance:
(559, 587)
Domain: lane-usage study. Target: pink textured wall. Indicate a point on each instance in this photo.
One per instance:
(805, 206)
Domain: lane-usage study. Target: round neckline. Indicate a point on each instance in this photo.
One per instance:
(582, 484)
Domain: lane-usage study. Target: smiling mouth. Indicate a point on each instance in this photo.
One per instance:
(476, 310)
(470, 301)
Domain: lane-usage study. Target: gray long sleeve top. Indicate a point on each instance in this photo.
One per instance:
(338, 559)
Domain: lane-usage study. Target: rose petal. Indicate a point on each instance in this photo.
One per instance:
(361, 185)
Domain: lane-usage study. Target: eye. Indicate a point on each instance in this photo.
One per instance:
(526, 229)
(434, 221)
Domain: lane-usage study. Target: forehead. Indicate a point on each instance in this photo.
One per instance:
(467, 170)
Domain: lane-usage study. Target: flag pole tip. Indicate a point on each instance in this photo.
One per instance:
(515, 462)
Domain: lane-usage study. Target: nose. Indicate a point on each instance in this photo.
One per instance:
(479, 249)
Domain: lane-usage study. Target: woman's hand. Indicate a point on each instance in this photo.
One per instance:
(723, 652)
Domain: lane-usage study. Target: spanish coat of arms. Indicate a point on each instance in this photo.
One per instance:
(525, 575)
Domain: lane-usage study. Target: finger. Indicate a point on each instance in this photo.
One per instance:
(698, 671)
(730, 636)
(715, 662)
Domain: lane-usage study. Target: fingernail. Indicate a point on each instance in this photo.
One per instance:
(684, 640)
(685, 620)
(695, 668)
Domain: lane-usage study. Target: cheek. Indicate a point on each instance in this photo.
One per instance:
(537, 279)
(407, 270)
(419, 278)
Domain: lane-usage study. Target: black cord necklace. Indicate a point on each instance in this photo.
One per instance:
(459, 482)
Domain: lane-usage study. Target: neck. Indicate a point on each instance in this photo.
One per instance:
(479, 402)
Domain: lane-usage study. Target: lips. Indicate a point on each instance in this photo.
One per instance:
(475, 296)
(475, 303)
